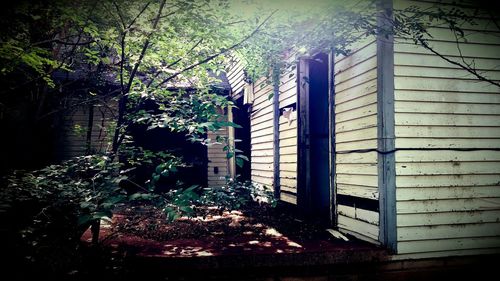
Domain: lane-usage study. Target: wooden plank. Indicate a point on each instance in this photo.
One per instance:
(292, 199)
(448, 231)
(455, 108)
(447, 97)
(448, 218)
(423, 119)
(456, 192)
(358, 169)
(448, 244)
(356, 57)
(288, 174)
(261, 166)
(261, 139)
(447, 180)
(447, 168)
(429, 60)
(288, 141)
(357, 135)
(291, 167)
(289, 182)
(439, 84)
(359, 214)
(347, 74)
(288, 101)
(263, 132)
(366, 122)
(288, 158)
(356, 103)
(261, 126)
(362, 76)
(358, 191)
(450, 205)
(267, 181)
(447, 143)
(447, 132)
(364, 228)
(449, 49)
(356, 113)
(358, 158)
(361, 180)
(358, 91)
(353, 145)
(262, 159)
(288, 150)
(262, 146)
(446, 73)
(447, 156)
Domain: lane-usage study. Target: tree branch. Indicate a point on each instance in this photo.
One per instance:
(223, 51)
(465, 67)
(174, 62)
(145, 47)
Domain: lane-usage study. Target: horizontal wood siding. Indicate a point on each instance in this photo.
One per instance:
(448, 201)
(288, 137)
(217, 160)
(261, 132)
(356, 128)
(73, 136)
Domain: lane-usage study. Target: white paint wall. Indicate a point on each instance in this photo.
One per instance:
(448, 202)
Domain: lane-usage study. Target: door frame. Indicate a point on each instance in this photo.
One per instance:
(304, 191)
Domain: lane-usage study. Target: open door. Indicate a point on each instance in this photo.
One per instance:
(242, 137)
(315, 131)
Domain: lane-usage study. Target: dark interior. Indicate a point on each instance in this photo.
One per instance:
(242, 137)
(319, 129)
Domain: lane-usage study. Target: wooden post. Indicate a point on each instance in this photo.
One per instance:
(276, 133)
(303, 159)
(385, 131)
(332, 148)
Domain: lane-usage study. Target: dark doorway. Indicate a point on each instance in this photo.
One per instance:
(318, 132)
(242, 137)
(314, 129)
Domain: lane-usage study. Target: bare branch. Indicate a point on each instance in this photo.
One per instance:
(175, 62)
(471, 70)
(145, 47)
(138, 15)
(223, 51)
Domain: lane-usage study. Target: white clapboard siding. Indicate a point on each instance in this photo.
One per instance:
(356, 128)
(74, 143)
(217, 160)
(261, 133)
(288, 137)
(448, 201)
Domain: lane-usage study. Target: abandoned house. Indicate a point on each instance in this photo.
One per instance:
(391, 144)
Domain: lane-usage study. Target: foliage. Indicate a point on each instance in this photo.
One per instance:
(236, 194)
(47, 210)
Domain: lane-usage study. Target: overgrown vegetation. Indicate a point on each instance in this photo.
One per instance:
(155, 64)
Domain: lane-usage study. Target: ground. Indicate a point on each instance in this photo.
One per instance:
(257, 229)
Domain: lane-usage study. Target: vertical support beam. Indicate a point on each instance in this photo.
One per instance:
(303, 141)
(276, 132)
(385, 132)
(331, 135)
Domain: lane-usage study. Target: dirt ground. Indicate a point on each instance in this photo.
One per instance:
(258, 229)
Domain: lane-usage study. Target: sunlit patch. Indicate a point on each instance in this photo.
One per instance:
(293, 244)
(253, 242)
(279, 251)
(272, 232)
(248, 232)
(203, 254)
